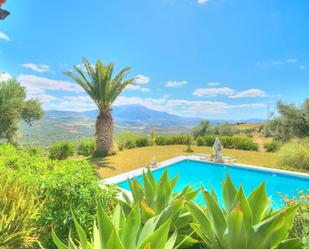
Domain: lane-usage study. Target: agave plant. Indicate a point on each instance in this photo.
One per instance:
(153, 197)
(243, 223)
(159, 198)
(121, 232)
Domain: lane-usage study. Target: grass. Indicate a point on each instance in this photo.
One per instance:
(128, 160)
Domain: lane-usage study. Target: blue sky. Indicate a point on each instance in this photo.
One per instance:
(213, 59)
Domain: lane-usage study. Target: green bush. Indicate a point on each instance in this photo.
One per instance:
(230, 142)
(87, 147)
(300, 229)
(61, 150)
(19, 210)
(295, 154)
(62, 185)
(180, 139)
(272, 146)
(142, 142)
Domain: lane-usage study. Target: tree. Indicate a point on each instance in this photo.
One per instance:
(14, 108)
(103, 88)
(292, 121)
(202, 129)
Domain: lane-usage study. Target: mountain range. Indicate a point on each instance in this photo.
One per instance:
(59, 125)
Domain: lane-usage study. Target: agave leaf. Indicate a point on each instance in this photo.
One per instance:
(215, 215)
(235, 236)
(259, 203)
(146, 211)
(172, 211)
(96, 237)
(58, 242)
(81, 234)
(150, 191)
(171, 241)
(114, 241)
(205, 228)
(260, 236)
(105, 226)
(131, 229)
(229, 192)
(147, 229)
(73, 246)
(241, 200)
(158, 238)
(283, 232)
(136, 189)
(290, 244)
(151, 178)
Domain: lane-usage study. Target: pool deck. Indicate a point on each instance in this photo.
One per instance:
(134, 173)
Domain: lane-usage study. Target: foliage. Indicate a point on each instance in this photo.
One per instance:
(172, 139)
(103, 87)
(122, 232)
(14, 108)
(295, 154)
(204, 128)
(189, 144)
(242, 223)
(160, 199)
(61, 150)
(272, 146)
(300, 229)
(127, 140)
(86, 147)
(63, 185)
(19, 210)
(230, 142)
(293, 121)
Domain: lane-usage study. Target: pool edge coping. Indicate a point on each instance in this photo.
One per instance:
(137, 172)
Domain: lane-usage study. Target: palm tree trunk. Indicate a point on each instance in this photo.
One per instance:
(104, 133)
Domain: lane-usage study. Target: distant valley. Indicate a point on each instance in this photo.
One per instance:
(60, 125)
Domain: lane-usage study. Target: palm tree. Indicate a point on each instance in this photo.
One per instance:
(103, 89)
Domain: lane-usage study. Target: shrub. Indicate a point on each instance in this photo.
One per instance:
(272, 146)
(180, 139)
(126, 140)
(142, 142)
(63, 185)
(230, 142)
(19, 209)
(295, 154)
(300, 229)
(87, 147)
(34, 150)
(61, 150)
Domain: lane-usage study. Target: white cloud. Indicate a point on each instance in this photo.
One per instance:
(42, 97)
(142, 79)
(273, 63)
(214, 84)
(302, 67)
(5, 76)
(36, 85)
(185, 107)
(4, 37)
(202, 1)
(173, 84)
(37, 68)
(212, 92)
(137, 88)
(250, 93)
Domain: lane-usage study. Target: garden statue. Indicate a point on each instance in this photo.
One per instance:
(218, 151)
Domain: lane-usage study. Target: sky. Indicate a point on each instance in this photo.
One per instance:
(227, 59)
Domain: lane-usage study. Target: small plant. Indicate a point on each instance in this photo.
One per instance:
(121, 232)
(295, 154)
(242, 223)
(61, 150)
(300, 229)
(189, 144)
(19, 209)
(87, 147)
(272, 146)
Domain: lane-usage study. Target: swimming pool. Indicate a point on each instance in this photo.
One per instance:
(210, 174)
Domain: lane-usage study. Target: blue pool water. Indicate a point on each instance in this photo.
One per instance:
(209, 174)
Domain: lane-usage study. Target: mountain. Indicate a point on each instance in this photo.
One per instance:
(59, 125)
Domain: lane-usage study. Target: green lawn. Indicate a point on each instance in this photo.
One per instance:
(128, 160)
